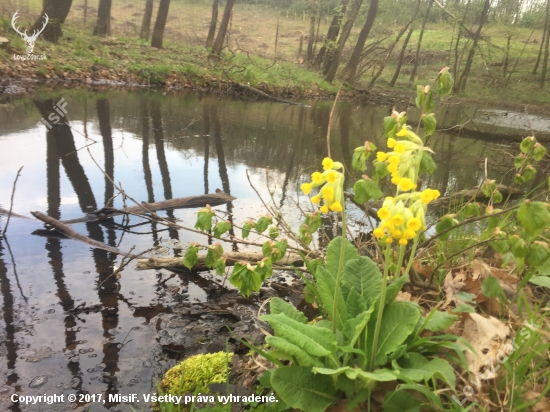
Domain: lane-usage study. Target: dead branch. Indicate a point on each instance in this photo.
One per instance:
(67, 231)
(213, 199)
(232, 258)
(11, 201)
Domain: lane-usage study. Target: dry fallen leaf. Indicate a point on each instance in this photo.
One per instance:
(487, 337)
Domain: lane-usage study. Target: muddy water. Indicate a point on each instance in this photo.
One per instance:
(67, 326)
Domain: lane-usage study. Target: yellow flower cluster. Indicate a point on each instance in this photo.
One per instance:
(402, 162)
(332, 192)
(404, 217)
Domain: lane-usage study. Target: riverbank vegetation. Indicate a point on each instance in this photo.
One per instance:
(497, 52)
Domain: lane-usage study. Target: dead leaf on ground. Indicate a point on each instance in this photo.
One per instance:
(487, 337)
(543, 405)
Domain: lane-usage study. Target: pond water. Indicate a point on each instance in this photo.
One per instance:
(67, 326)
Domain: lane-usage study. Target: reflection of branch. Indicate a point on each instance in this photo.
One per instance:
(11, 201)
(15, 269)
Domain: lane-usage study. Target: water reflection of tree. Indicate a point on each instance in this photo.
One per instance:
(8, 316)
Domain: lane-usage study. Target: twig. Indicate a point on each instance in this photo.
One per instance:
(11, 201)
(330, 117)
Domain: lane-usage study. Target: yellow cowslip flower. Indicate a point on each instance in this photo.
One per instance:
(389, 239)
(324, 209)
(306, 188)
(428, 195)
(381, 156)
(391, 142)
(397, 234)
(403, 132)
(336, 207)
(317, 178)
(409, 234)
(406, 184)
(315, 200)
(398, 219)
(378, 232)
(331, 176)
(383, 213)
(396, 179)
(392, 168)
(394, 160)
(388, 201)
(327, 163)
(328, 193)
(403, 242)
(399, 148)
(414, 224)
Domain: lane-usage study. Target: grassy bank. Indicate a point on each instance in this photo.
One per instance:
(251, 57)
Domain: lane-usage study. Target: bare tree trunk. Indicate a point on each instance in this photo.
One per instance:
(146, 23)
(419, 45)
(103, 25)
(401, 56)
(85, 12)
(57, 11)
(301, 46)
(213, 24)
(332, 34)
(466, 72)
(276, 38)
(363, 35)
(399, 35)
(160, 23)
(541, 45)
(222, 32)
(546, 45)
(332, 66)
(313, 11)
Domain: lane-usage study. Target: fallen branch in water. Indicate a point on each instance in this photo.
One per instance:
(11, 201)
(232, 258)
(178, 203)
(13, 214)
(67, 231)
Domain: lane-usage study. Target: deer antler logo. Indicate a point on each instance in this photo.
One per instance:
(30, 40)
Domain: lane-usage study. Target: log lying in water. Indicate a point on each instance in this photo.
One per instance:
(7, 212)
(67, 231)
(232, 258)
(178, 203)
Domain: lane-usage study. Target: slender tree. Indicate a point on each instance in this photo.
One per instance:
(464, 76)
(331, 67)
(546, 45)
(103, 24)
(330, 41)
(222, 32)
(57, 11)
(213, 24)
(160, 23)
(401, 56)
(313, 11)
(146, 23)
(363, 35)
(419, 44)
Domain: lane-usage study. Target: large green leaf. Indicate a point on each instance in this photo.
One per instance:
(355, 326)
(277, 305)
(439, 321)
(365, 190)
(326, 285)
(398, 322)
(534, 217)
(315, 341)
(362, 275)
(300, 388)
(393, 290)
(294, 352)
(541, 281)
(417, 368)
(401, 401)
(333, 254)
(355, 304)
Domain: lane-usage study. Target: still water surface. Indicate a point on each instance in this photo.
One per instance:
(67, 327)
